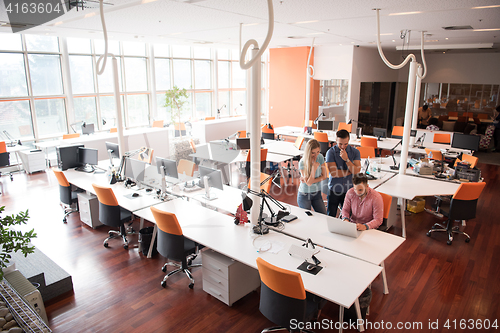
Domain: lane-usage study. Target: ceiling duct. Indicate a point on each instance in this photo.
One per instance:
(458, 27)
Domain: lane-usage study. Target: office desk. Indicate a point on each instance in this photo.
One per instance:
(283, 148)
(298, 131)
(408, 187)
(373, 246)
(341, 281)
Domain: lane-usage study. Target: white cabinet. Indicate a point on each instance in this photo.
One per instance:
(226, 279)
(88, 206)
(33, 160)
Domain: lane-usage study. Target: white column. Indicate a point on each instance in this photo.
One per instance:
(412, 77)
(121, 141)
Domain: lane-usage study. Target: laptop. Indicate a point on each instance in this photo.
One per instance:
(341, 227)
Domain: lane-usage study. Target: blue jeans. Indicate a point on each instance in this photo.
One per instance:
(305, 200)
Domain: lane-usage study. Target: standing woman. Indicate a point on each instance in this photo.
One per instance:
(312, 171)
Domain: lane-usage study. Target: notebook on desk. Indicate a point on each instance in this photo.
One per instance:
(341, 227)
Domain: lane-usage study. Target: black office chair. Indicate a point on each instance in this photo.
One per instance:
(174, 246)
(283, 297)
(4, 157)
(111, 214)
(462, 206)
(67, 196)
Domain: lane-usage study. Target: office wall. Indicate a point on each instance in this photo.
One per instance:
(333, 62)
(474, 68)
(287, 85)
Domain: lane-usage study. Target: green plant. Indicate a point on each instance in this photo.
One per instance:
(175, 99)
(12, 240)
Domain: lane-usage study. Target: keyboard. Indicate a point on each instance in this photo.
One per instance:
(301, 252)
(192, 188)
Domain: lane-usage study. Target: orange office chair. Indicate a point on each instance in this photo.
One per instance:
(263, 161)
(347, 127)
(283, 298)
(147, 156)
(387, 207)
(322, 138)
(468, 158)
(442, 138)
(309, 123)
(366, 152)
(4, 158)
(482, 115)
(113, 130)
(462, 206)
(242, 134)
(193, 146)
(111, 214)
(433, 154)
(180, 129)
(158, 123)
(452, 114)
(268, 132)
(266, 186)
(209, 118)
(174, 246)
(397, 132)
(66, 195)
(186, 167)
(369, 142)
(71, 136)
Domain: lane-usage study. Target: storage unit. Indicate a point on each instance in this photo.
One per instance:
(226, 279)
(33, 160)
(88, 205)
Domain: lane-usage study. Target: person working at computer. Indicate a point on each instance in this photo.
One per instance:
(342, 161)
(363, 205)
(424, 114)
(433, 124)
(312, 172)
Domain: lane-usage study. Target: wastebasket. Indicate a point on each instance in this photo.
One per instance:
(350, 315)
(145, 235)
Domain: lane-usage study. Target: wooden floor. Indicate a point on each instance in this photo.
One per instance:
(116, 290)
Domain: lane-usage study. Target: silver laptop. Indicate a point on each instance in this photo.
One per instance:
(346, 228)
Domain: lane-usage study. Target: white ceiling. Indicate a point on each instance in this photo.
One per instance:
(216, 22)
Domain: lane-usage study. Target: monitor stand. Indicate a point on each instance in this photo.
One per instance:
(86, 168)
(208, 196)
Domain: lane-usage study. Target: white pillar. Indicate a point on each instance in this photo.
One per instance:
(408, 113)
(418, 83)
(121, 141)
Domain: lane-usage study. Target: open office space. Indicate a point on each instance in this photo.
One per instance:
(53, 100)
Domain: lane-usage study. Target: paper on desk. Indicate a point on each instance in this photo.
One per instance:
(270, 246)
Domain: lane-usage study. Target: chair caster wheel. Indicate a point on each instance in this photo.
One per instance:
(164, 269)
(467, 240)
(106, 245)
(191, 285)
(125, 246)
(448, 242)
(428, 234)
(189, 262)
(64, 220)
(164, 284)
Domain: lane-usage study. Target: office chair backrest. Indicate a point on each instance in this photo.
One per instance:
(71, 136)
(158, 123)
(366, 152)
(147, 156)
(180, 126)
(469, 158)
(242, 134)
(193, 146)
(442, 138)
(64, 187)
(209, 118)
(109, 211)
(263, 155)
(298, 142)
(436, 154)
(266, 186)
(462, 119)
(61, 178)
(321, 136)
(347, 127)
(170, 238)
(113, 130)
(3, 147)
(308, 124)
(452, 114)
(268, 133)
(186, 167)
(397, 132)
(387, 199)
(282, 294)
(482, 115)
(464, 202)
(369, 142)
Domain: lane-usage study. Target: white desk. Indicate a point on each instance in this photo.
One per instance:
(408, 187)
(283, 148)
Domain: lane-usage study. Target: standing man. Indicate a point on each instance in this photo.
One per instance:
(342, 161)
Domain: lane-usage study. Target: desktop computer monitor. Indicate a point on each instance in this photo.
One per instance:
(114, 148)
(465, 141)
(214, 177)
(243, 143)
(325, 125)
(68, 156)
(379, 132)
(134, 169)
(88, 129)
(169, 167)
(87, 157)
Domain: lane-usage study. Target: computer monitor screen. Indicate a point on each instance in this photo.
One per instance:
(88, 129)
(68, 156)
(214, 177)
(88, 156)
(243, 143)
(465, 141)
(169, 167)
(379, 132)
(325, 125)
(115, 150)
(134, 169)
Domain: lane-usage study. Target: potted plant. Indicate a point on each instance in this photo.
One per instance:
(175, 99)
(13, 240)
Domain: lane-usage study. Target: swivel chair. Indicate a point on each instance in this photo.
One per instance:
(468, 158)
(158, 123)
(366, 152)
(263, 161)
(186, 167)
(266, 186)
(112, 215)
(347, 127)
(174, 246)
(71, 136)
(324, 144)
(462, 206)
(387, 199)
(441, 138)
(369, 142)
(283, 297)
(66, 195)
(4, 157)
(397, 132)
(268, 132)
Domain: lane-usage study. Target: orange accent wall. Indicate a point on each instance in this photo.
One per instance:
(287, 86)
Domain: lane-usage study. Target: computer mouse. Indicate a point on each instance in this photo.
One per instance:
(310, 267)
(149, 189)
(135, 194)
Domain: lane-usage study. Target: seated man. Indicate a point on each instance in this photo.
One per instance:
(363, 205)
